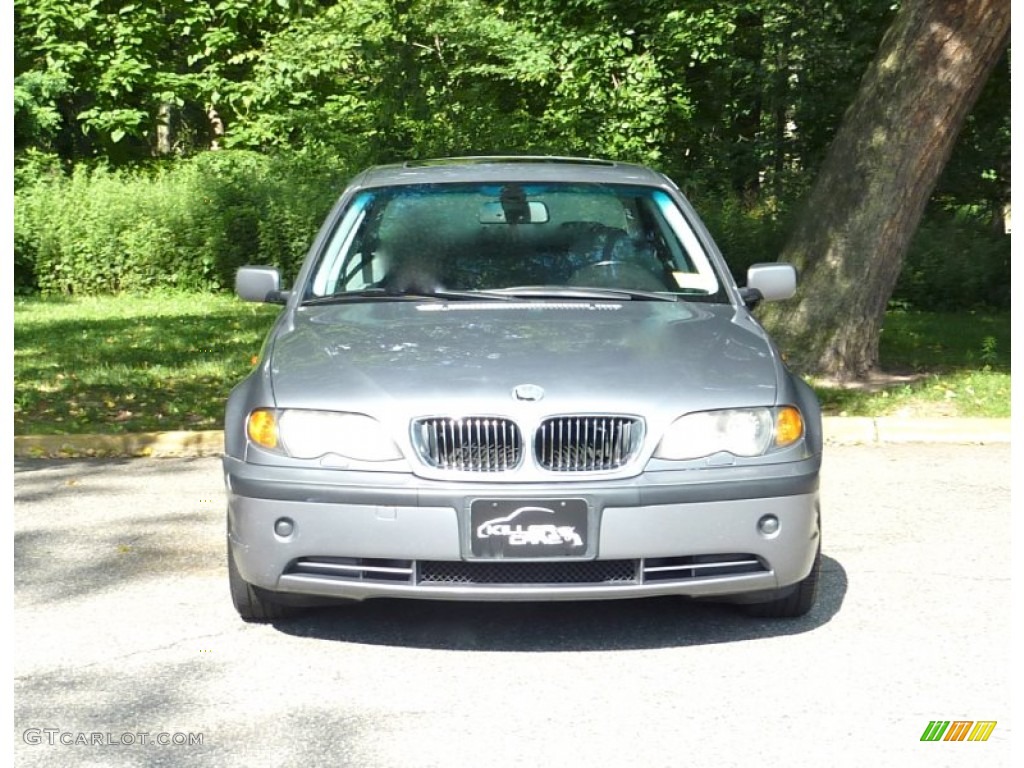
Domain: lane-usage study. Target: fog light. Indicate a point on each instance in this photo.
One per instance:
(768, 525)
(284, 527)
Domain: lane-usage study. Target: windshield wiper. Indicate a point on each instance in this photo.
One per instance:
(385, 294)
(584, 293)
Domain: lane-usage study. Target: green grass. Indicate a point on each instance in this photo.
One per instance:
(954, 365)
(979, 394)
(167, 362)
(131, 363)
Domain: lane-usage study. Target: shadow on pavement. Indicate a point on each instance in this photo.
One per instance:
(661, 622)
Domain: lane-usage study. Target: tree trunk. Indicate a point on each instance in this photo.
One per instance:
(875, 181)
(747, 91)
(164, 139)
(216, 127)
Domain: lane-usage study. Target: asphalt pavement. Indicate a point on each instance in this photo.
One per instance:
(128, 652)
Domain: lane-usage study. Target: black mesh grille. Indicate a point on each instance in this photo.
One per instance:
(586, 443)
(470, 444)
(576, 572)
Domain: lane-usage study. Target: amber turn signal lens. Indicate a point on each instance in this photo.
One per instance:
(789, 426)
(262, 428)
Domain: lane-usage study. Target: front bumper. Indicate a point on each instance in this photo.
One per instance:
(364, 535)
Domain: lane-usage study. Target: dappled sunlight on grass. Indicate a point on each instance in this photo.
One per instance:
(946, 365)
(929, 341)
(130, 363)
(983, 394)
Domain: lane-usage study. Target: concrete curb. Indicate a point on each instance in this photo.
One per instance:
(838, 431)
(893, 429)
(152, 444)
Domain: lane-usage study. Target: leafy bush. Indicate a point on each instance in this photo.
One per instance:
(956, 262)
(189, 225)
(34, 167)
(744, 235)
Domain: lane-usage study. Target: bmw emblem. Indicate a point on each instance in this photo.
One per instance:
(528, 392)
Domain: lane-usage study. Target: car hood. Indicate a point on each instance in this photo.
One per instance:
(437, 358)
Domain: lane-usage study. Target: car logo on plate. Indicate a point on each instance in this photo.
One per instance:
(529, 392)
(518, 535)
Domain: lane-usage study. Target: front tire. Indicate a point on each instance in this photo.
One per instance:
(798, 602)
(252, 603)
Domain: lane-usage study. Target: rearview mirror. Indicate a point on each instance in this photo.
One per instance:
(494, 213)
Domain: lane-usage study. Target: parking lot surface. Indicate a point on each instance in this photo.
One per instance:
(129, 653)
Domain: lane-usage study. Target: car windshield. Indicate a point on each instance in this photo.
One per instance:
(539, 238)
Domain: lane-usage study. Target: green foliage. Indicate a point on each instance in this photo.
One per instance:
(765, 82)
(125, 68)
(376, 80)
(738, 102)
(192, 223)
(944, 341)
(978, 173)
(36, 114)
(745, 234)
(187, 226)
(989, 351)
(956, 262)
(731, 99)
(36, 169)
(610, 94)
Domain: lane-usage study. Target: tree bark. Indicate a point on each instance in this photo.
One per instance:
(164, 139)
(216, 125)
(746, 98)
(870, 193)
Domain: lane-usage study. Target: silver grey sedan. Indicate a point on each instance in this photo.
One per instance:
(520, 379)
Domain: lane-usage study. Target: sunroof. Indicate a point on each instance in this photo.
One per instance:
(483, 159)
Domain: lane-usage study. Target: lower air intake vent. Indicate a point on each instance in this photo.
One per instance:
(446, 573)
(354, 569)
(699, 567)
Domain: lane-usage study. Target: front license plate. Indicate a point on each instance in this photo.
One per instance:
(528, 528)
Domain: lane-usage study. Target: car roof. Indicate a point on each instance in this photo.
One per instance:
(500, 168)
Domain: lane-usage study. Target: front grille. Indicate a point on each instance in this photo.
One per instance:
(470, 444)
(455, 573)
(587, 443)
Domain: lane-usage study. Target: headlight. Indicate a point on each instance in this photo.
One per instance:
(305, 434)
(739, 431)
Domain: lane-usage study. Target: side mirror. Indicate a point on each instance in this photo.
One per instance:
(262, 284)
(769, 282)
